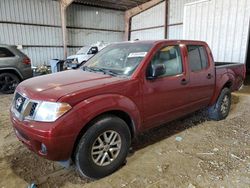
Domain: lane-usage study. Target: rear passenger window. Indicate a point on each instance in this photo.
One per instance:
(197, 58)
(4, 52)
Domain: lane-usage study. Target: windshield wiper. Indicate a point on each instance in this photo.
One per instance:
(110, 72)
(91, 69)
(105, 71)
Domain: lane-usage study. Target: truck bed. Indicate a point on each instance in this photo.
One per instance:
(236, 72)
(226, 64)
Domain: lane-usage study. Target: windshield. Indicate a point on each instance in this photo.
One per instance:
(83, 50)
(118, 59)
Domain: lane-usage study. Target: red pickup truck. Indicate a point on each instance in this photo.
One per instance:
(90, 115)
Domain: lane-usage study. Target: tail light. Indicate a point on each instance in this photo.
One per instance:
(26, 61)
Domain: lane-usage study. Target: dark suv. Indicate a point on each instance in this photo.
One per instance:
(15, 66)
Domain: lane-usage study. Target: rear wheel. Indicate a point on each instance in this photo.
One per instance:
(222, 106)
(8, 82)
(103, 148)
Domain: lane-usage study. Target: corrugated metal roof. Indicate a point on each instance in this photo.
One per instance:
(113, 4)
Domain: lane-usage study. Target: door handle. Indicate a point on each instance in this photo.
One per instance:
(209, 76)
(184, 81)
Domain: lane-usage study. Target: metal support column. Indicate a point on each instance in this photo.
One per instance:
(166, 20)
(64, 5)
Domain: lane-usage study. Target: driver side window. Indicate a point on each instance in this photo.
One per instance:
(170, 57)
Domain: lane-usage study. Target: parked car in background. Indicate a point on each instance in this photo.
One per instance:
(91, 114)
(15, 67)
(83, 55)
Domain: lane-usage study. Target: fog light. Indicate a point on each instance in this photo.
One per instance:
(43, 148)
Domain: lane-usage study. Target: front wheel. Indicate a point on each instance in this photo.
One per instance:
(8, 82)
(222, 106)
(103, 148)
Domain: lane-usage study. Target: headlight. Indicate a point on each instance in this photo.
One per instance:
(50, 111)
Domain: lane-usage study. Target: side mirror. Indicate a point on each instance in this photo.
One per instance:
(93, 50)
(156, 71)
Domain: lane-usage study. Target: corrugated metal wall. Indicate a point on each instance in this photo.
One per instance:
(175, 18)
(155, 17)
(35, 24)
(222, 24)
(31, 11)
(149, 24)
(90, 24)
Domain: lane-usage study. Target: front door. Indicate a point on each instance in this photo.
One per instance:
(165, 97)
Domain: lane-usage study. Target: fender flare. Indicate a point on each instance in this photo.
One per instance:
(93, 107)
(13, 69)
(223, 80)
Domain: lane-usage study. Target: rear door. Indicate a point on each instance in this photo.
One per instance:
(165, 97)
(202, 76)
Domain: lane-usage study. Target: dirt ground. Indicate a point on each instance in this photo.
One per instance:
(190, 152)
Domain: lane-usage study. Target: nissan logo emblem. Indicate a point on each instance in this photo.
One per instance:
(18, 102)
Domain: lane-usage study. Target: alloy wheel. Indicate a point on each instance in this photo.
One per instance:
(7, 83)
(106, 148)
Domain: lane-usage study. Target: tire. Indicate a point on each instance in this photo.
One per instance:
(8, 82)
(221, 108)
(90, 153)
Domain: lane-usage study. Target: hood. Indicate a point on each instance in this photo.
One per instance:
(54, 86)
(80, 58)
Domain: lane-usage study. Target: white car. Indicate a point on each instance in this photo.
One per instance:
(83, 55)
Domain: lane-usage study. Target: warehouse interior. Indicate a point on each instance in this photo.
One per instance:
(189, 152)
(68, 25)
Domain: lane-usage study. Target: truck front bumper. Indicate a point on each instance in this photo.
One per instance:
(42, 141)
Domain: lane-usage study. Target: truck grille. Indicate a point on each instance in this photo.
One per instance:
(23, 107)
(32, 110)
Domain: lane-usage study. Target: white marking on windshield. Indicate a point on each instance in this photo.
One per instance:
(137, 54)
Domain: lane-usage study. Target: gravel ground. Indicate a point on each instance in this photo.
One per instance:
(189, 152)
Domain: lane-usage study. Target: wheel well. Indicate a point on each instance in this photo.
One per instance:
(228, 85)
(11, 71)
(125, 117)
(121, 114)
